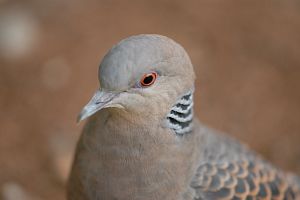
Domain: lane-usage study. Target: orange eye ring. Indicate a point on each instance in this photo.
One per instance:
(148, 79)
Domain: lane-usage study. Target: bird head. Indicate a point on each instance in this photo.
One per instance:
(140, 74)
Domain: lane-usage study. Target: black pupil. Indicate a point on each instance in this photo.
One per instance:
(148, 79)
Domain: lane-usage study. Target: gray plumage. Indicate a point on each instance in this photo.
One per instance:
(143, 141)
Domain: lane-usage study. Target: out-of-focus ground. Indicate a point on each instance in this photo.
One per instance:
(246, 55)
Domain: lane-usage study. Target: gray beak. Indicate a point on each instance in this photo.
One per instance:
(101, 99)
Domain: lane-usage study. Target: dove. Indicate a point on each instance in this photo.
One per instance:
(142, 140)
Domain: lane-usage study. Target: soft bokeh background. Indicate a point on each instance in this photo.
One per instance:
(246, 55)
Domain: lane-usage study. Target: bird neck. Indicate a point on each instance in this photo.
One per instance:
(180, 117)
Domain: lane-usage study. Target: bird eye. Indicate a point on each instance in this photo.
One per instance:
(148, 79)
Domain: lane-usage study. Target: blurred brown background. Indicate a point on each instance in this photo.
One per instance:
(246, 55)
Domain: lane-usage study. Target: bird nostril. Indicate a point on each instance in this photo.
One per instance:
(98, 102)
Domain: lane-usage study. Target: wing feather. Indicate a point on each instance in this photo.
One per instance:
(244, 180)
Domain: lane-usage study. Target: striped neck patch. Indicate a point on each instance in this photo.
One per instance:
(181, 115)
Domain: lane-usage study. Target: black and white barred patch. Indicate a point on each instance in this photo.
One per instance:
(181, 115)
